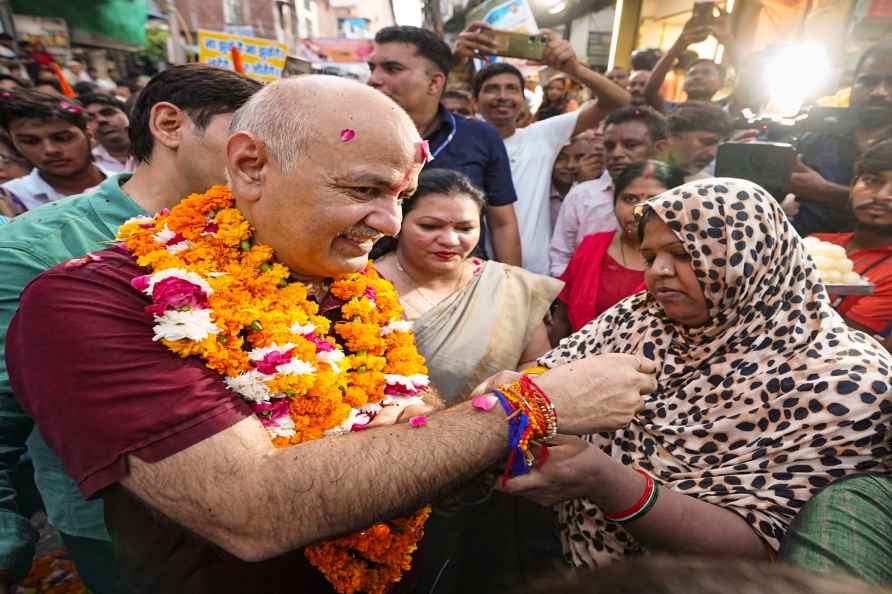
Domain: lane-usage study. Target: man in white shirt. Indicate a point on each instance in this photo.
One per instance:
(52, 134)
(498, 92)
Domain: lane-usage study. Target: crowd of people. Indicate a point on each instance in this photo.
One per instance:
(675, 376)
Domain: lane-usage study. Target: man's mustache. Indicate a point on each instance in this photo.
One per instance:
(887, 206)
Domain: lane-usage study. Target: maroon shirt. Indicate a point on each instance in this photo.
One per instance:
(83, 364)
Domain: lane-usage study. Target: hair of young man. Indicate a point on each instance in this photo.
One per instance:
(50, 83)
(664, 574)
(427, 44)
(655, 121)
(85, 87)
(28, 104)
(665, 173)
(719, 67)
(877, 159)
(494, 70)
(699, 117)
(200, 90)
(102, 99)
(883, 49)
(457, 94)
(646, 59)
(16, 80)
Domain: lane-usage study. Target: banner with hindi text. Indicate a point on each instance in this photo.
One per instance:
(263, 59)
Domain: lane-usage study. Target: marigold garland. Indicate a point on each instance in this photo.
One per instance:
(218, 296)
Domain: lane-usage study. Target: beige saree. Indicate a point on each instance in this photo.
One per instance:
(483, 328)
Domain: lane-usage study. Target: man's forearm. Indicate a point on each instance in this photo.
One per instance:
(652, 90)
(322, 488)
(829, 194)
(505, 237)
(610, 96)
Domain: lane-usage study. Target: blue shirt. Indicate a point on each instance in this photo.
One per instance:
(474, 148)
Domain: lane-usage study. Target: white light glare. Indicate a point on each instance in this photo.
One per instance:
(559, 7)
(796, 73)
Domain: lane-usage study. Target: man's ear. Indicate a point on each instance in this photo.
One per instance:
(246, 158)
(661, 147)
(166, 122)
(437, 84)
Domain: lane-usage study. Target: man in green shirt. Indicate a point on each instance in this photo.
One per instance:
(178, 133)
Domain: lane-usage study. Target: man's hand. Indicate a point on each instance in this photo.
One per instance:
(472, 43)
(564, 476)
(750, 135)
(721, 29)
(600, 393)
(805, 182)
(790, 205)
(693, 32)
(494, 381)
(559, 54)
(394, 414)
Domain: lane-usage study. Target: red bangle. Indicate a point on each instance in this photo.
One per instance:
(645, 497)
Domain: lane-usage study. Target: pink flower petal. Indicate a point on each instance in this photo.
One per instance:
(359, 426)
(425, 150)
(140, 283)
(484, 402)
(348, 134)
(272, 360)
(419, 421)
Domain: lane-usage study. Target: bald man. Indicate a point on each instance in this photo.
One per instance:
(197, 498)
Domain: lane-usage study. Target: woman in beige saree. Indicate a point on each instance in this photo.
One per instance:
(471, 319)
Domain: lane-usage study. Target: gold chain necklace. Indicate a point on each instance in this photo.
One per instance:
(417, 287)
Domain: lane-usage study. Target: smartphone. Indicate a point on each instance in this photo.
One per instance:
(511, 44)
(704, 13)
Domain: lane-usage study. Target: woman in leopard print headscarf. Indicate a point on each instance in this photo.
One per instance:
(765, 395)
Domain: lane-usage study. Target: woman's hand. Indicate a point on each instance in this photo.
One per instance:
(567, 473)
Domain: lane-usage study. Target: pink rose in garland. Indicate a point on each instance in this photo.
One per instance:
(172, 289)
(176, 293)
(271, 412)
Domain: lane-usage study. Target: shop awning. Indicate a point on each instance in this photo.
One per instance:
(119, 24)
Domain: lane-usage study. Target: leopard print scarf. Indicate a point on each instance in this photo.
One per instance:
(769, 401)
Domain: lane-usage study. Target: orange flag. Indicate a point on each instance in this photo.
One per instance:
(237, 63)
(66, 88)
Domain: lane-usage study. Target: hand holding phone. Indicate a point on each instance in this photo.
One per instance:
(473, 41)
(511, 44)
(704, 13)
